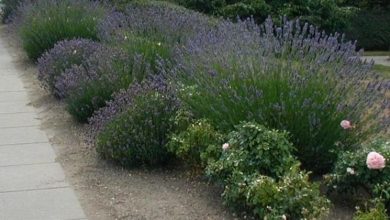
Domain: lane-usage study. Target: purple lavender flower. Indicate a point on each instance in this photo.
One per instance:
(105, 63)
(89, 87)
(291, 77)
(162, 22)
(40, 24)
(65, 54)
(123, 99)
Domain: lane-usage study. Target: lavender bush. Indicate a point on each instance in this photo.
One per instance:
(63, 56)
(292, 78)
(152, 28)
(8, 7)
(42, 23)
(121, 101)
(89, 87)
(133, 129)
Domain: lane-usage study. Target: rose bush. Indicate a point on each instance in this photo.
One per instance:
(363, 168)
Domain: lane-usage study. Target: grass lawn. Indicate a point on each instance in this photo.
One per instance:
(376, 53)
(383, 69)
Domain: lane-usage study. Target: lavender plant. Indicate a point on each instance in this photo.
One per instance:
(63, 56)
(42, 23)
(133, 129)
(151, 28)
(121, 101)
(8, 7)
(89, 87)
(292, 78)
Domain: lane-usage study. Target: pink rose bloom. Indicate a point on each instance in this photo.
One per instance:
(225, 146)
(375, 161)
(346, 124)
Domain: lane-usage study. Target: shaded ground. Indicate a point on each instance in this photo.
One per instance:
(107, 191)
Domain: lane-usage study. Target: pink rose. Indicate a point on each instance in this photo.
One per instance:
(346, 124)
(225, 146)
(375, 161)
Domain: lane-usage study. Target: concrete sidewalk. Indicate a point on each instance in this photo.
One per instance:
(382, 60)
(32, 184)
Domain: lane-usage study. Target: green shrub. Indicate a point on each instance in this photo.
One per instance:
(292, 197)
(8, 7)
(378, 212)
(371, 29)
(43, 23)
(328, 15)
(139, 134)
(198, 144)
(291, 78)
(259, 174)
(106, 72)
(382, 191)
(351, 172)
(206, 6)
(244, 9)
(151, 49)
(88, 97)
(254, 149)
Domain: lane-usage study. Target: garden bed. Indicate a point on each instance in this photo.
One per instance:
(105, 190)
(169, 108)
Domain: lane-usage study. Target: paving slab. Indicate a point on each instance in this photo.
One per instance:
(32, 185)
(49, 204)
(14, 96)
(31, 177)
(10, 83)
(9, 77)
(22, 135)
(26, 154)
(8, 69)
(382, 60)
(15, 107)
(7, 60)
(19, 120)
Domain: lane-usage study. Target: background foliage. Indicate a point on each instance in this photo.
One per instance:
(8, 8)
(362, 20)
(43, 23)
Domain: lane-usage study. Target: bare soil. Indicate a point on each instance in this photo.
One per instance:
(107, 191)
